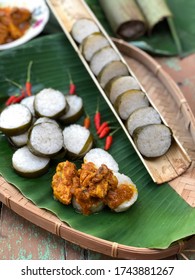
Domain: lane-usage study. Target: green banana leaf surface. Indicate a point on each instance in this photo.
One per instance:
(157, 219)
(161, 42)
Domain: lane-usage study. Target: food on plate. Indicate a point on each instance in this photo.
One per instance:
(99, 156)
(45, 139)
(101, 58)
(29, 102)
(15, 119)
(93, 186)
(78, 140)
(75, 110)
(112, 70)
(129, 101)
(142, 116)
(153, 140)
(123, 196)
(92, 44)
(50, 103)
(27, 164)
(118, 85)
(19, 140)
(14, 22)
(82, 28)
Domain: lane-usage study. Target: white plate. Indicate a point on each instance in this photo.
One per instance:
(40, 16)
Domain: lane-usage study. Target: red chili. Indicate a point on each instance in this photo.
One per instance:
(10, 100)
(108, 142)
(18, 99)
(102, 126)
(104, 132)
(87, 122)
(28, 82)
(97, 118)
(72, 86)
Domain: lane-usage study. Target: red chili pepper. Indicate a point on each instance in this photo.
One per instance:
(10, 100)
(28, 82)
(97, 118)
(104, 132)
(72, 86)
(87, 122)
(108, 142)
(102, 126)
(18, 99)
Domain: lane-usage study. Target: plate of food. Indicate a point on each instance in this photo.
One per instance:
(158, 219)
(21, 21)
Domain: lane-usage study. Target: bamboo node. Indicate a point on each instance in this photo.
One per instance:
(114, 250)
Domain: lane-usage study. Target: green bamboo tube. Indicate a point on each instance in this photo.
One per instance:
(124, 17)
(154, 11)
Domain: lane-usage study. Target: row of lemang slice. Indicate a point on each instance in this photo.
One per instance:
(144, 124)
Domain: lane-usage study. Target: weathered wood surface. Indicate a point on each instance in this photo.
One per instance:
(20, 239)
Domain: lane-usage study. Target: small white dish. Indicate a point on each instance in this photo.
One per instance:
(40, 16)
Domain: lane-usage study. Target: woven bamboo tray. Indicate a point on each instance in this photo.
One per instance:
(162, 169)
(173, 106)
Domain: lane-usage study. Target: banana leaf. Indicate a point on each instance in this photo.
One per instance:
(159, 216)
(161, 42)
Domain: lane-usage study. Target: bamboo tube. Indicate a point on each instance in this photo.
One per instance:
(124, 17)
(154, 11)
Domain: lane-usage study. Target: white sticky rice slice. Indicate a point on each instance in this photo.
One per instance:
(75, 109)
(123, 179)
(99, 156)
(27, 164)
(95, 208)
(111, 70)
(153, 140)
(45, 139)
(50, 103)
(76, 139)
(92, 44)
(15, 119)
(102, 58)
(142, 116)
(29, 102)
(45, 119)
(119, 85)
(82, 28)
(20, 140)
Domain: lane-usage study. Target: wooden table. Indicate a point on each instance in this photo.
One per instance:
(20, 239)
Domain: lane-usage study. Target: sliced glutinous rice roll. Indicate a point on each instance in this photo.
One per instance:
(27, 164)
(127, 188)
(29, 102)
(82, 28)
(75, 110)
(78, 140)
(118, 85)
(101, 58)
(19, 140)
(153, 140)
(92, 44)
(111, 70)
(99, 156)
(142, 116)
(45, 119)
(50, 103)
(45, 139)
(129, 101)
(15, 119)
